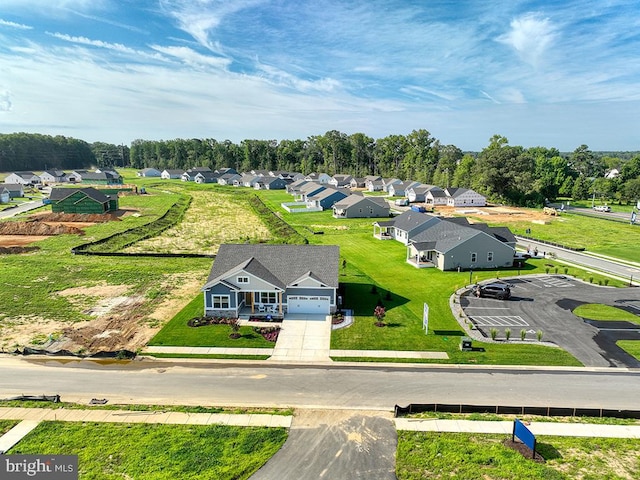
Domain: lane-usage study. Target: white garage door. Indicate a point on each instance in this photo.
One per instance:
(301, 304)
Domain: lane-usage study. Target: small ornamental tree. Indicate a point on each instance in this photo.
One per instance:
(234, 324)
(379, 313)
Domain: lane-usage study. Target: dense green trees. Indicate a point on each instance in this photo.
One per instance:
(504, 173)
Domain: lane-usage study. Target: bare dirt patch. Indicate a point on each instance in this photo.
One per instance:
(19, 240)
(496, 214)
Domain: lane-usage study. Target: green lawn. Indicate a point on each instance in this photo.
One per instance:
(158, 452)
(6, 425)
(468, 456)
(596, 311)
(178, 333)
(632, 347)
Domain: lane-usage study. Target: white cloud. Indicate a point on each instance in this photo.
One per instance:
(191, 57)
(94, 43)
(5, 101)
(20, 26)
(530, 36)
(199, 17)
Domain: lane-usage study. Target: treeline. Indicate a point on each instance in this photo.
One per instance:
(503, 173)
(36, 152)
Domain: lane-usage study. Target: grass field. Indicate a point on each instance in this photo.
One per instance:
(116, 451)
(468, 456)
(632, 347)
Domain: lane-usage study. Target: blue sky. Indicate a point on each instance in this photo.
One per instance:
(551, 73)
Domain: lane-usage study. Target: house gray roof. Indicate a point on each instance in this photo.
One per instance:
(501, 233)
(207, 175)
(100, 176)
(327, 192)
(58, 194)
(355, 199)
(26, 175)
(278, 264)
(12, 187)
(409, 220)
(174, 171)
(445, 235)
(436, 192)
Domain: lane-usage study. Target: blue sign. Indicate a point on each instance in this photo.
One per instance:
(525, 435)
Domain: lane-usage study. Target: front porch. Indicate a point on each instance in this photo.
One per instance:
(268, 314)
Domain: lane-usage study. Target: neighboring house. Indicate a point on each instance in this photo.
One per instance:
(14, 190)
(272, 279)
(405, 226)
(326, 198)
(449, 245)
(149, 172)
(23, 178)
(188, 176)
(270, 183)
(171, 174)
(318, 177)
(357, 206)
(205, 177)
(374, 185)
(4, 195)
(228, 178)
(613, 173)
(82, 200)
(400, 189)
(435, 196)
(291, 176)
(294, 188)
(464, 197)
(388, 182)
(247, 180)
(417, 193)
(53, 176)
(107, 177)
(76, 176)
(357, 182)
(340, 181)
(224, 171)
(309, 189)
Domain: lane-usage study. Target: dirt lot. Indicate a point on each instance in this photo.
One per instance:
(496, 214)
(122, 320)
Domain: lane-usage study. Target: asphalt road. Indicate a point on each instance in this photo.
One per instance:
(375, 387)
(23, 207)
(546, 303)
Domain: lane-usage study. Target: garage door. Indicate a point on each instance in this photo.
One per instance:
(301, 304)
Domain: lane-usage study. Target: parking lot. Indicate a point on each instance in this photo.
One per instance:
(545, 303)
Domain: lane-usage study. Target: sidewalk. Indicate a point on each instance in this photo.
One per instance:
(31, 417)
(506, 427)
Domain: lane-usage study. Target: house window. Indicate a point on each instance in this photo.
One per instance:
(474, 257)
(220, 301)
(489, 256)
(268, 297)
(243, 279)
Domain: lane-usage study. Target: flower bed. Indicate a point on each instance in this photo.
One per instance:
(268, 333)
(203, 321)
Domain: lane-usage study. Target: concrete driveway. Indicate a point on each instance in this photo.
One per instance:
(546, 303)
(335, 445)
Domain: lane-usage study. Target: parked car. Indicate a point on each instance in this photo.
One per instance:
(500, 291)
(402, 202)
(602, 208)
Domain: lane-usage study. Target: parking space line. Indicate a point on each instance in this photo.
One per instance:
(500, 321)
(633, 305)
(530, 282)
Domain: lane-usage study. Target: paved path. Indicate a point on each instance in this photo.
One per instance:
(22, 208)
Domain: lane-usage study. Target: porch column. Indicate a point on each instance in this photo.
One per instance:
(280, 303)
(252, 302)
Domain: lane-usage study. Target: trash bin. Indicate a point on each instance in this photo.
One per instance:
(465, 344)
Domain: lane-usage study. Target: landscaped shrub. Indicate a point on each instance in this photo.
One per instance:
(379, 313)
(565, 270)
(494, 333)
(539, 335)
(523, 334)
(590, 279)
(606, 282)
(507, 333)
(234, 324)
(270, 334)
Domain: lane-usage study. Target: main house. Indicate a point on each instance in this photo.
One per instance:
(357, 206)
(267, 279)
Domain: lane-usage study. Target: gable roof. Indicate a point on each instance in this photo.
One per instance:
(58, 194)
(12, 187)
(280, 265)
(410, 219)
(444, 236)
(352, 200)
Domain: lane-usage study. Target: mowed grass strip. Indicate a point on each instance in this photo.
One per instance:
(6, 425)
(115, 451)
(632, 347)
(596, 311)
(178, 333)
(470, 456)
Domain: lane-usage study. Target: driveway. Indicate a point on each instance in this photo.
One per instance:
(335, 444)
(546, 303)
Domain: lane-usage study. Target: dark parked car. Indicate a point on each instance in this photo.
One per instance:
(493, 290)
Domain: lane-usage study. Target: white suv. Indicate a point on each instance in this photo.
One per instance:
(602, 208)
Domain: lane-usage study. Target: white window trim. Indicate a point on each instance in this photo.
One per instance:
(220, 299)
(243, 279)
(489, 256)
(474, 257)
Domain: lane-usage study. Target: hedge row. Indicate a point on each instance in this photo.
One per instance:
(276, 225)
(122, 240)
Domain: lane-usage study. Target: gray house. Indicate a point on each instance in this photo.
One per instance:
(205, 177)
(400, 189)
(149, 172)
(53, 176)
(13, 190)
(273, 280)
(449, 245)
(357, 206)
(270, 183)
(326, 198)
(171, 174)
(405, 226)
